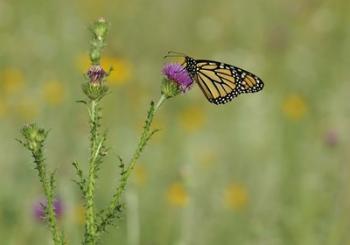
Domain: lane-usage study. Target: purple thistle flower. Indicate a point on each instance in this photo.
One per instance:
(39, 209)
(176, 73)
(331, 138)
(96, 74)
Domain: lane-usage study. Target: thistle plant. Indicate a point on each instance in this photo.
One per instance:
(176, 81)
(34, 140)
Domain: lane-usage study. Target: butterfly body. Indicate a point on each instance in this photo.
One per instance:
(220, 82)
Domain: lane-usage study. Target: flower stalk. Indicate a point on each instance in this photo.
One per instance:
(90, 189)
(175, 82)
(95, 89)
(34, 141)
(160, 102)
(115, 204)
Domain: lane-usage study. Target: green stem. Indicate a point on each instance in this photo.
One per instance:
(48, 192)
(95, 148)
(160, 102)
(145, 137)
(132, 216)
(34, 141)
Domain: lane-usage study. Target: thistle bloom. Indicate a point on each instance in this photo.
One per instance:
(39, 209)
(331, 138)
(176, 73)
(96, 74)
(95, 88)
(176, 80)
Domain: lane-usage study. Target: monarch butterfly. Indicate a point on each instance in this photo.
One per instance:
(219, 82)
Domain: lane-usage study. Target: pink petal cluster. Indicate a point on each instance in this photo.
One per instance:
(96, 74)
(39, 209)
(176, 73)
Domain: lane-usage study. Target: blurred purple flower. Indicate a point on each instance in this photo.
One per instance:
(176, 73)
(331, 138)
(39, 209)
(96, 74)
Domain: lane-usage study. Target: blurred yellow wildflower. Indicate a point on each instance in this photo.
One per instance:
(135, 98)
(177, 195)
(53, 92)
(121, 68)
(3, 108)
(79, 214)
(158, 123)
(27, 108)
(12, 80)
(294, 107)
(140, 175)
(192, 118)
(82, 62)
(207, 158)
(235, 196)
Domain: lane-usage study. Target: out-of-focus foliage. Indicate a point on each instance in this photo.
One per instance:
(267, 168)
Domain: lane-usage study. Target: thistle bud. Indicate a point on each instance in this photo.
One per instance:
(34, 137)
(100, 28)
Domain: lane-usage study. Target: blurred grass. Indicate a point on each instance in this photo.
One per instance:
(260, 170)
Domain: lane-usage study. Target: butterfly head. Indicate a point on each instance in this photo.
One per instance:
(189, 64)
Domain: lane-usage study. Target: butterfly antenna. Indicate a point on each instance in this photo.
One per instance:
(174, 54)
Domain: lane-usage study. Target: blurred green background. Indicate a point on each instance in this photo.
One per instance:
(267, 168)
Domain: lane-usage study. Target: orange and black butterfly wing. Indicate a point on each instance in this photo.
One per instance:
(221, 82)
(216, 81)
